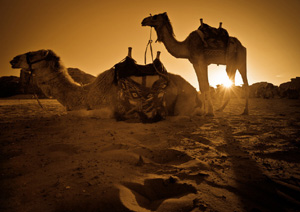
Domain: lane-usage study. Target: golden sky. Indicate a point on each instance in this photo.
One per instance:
(93, 35)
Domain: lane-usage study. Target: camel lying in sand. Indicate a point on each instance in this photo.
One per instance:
(52, 78)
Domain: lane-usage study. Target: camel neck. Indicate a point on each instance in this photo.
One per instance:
(55, 78)
(175, 48)
(59, 85)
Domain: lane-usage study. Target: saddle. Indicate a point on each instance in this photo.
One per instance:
(141, 91)
(213, 38)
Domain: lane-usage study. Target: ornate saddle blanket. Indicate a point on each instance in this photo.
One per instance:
(141, 91)
(214, 38)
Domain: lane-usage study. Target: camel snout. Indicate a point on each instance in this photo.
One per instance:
(143, 23)
(14, 62)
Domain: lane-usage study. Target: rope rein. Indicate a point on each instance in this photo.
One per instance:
(149, 44)
(35, 94)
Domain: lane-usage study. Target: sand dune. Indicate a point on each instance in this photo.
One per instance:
(52, 160)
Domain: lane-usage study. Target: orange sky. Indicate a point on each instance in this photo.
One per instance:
(94, 35)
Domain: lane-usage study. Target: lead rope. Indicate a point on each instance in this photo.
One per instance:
(151, 50)
(149, 44)
(35, 94)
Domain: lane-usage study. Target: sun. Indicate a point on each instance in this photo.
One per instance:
(217, 76)
(227, 82)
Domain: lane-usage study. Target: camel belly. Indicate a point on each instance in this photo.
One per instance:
(215, 56)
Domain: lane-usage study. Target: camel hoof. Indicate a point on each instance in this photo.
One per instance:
(220, 110)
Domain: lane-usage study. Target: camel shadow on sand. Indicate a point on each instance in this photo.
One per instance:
(256, 191)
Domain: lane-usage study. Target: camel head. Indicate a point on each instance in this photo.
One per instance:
(31, 60)
(156, 20)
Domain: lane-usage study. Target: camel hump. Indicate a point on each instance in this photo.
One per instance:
(215, 38)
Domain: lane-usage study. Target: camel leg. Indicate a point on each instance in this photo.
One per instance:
(243, 72)
(202, 75)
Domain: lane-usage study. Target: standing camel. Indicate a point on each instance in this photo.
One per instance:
(193, 49)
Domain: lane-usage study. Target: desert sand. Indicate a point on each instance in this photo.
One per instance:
(53, 160)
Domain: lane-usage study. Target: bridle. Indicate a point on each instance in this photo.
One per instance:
(149, 44)
(31, 70)
(30, 63)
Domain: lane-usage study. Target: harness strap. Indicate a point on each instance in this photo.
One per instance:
(28, 61)
(144, 81)
(32, 62)
(31, 77)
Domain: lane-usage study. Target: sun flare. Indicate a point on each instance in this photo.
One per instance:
(217, 76)
(227, 83)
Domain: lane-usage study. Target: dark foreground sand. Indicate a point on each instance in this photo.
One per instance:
(57, 161)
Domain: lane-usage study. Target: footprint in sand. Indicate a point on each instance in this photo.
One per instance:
(153, 193)
(163, 156)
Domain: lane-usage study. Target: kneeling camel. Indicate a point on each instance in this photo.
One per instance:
(53, 79)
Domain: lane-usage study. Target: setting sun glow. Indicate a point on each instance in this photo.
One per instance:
(227, 83)
(100, 40)
(217, 76)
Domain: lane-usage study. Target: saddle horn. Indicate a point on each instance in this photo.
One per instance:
(201, 21)
(220, 26)
(158, 55)
(129, 52)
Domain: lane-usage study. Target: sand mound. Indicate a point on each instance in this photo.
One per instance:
(153, 192)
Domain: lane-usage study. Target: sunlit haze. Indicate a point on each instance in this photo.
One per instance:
(94, 35)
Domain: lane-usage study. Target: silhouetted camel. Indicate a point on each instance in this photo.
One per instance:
(193, 49)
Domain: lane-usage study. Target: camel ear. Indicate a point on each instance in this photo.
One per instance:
(45, 53)
(165, 14)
